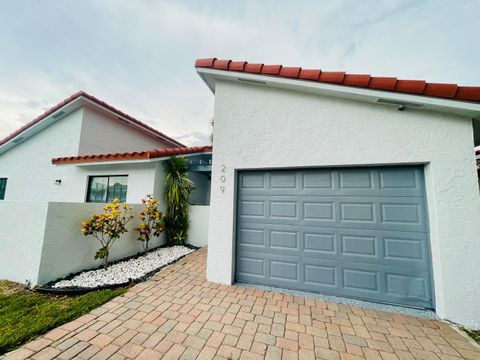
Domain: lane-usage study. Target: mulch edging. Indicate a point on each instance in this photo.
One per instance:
(72, 291)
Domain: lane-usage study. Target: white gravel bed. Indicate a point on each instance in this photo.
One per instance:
(123, 271)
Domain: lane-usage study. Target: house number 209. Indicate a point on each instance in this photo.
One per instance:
(222, 179)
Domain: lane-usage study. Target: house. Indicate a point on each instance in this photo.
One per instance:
(60, 169)
(345, 184)
(78, 126)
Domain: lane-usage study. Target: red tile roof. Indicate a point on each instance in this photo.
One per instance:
(417, 87)
(98, 102)
(136, 155)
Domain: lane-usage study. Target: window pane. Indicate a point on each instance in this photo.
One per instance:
(3, 187)
(98, 189)
(117, 188)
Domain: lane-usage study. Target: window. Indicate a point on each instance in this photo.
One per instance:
(103, 189)
(3, 186)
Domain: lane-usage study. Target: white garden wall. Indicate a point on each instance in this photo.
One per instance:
(257, 127)
(66, 250)
(198, 230)
(42, 241)
(22, 228)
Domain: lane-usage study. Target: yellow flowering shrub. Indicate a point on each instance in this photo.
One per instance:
(151, 221)
(108, 227)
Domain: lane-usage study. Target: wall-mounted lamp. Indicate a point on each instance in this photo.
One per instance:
(58, 182)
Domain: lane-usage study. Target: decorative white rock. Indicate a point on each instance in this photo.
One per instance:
(125, 271)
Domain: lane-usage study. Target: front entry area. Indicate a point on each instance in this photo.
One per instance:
(353, 232)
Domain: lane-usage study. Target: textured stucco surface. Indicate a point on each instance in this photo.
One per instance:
(22, 228)
(198, 229)
(31, 175)
(65, 250)
(103, 134)
(42, 241)
(28, 166)
(258, 127)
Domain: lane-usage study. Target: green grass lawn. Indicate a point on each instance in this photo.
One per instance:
(25, 314)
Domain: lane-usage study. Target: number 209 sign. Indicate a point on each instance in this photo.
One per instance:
(223, 178)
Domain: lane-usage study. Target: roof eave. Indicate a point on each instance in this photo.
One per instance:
(126, 162)
(69, 105)
(463, 108)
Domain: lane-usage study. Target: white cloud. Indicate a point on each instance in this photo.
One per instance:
(139, 55)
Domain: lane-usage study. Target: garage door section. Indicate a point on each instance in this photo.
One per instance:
(357, 232)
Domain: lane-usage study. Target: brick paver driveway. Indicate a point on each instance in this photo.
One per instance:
(178, 315)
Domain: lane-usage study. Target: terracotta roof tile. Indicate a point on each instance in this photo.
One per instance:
(291, 72)
(417, 87)
(99, 102)
(205, 62)
(135, 155)
(237, 65)
(382, 83)
(468, 93)
(308, 74)
(356, 80)
(253, 68)
(410, 86)
(271, 69)
(440, 90)
(221, 64)
(332, 77)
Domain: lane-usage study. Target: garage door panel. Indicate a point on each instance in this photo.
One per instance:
(383, 213)
(356, 280)
(397, 248)
(349, 232)
(387, 181)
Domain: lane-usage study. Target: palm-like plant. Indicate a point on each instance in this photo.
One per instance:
(177, 192)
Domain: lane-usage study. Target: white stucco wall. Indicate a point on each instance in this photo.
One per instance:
(31, 175)
(103, 134)
(198, 229)
(22, 227)
(65, 250)
(28, 166)
(258, 127)
(42, 241)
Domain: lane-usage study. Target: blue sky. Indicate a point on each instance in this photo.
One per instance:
(139, 55)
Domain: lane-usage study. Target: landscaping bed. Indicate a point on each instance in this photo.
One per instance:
(121, 273)
(25, 314)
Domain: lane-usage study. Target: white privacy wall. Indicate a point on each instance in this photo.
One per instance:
(198, 229)
(258, 127)
(22, 227)
(42, 241)
(65, 250)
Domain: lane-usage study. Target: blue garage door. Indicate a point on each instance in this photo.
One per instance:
(354, 232)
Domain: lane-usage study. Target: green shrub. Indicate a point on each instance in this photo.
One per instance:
(177, 192)
(108, 227)
(151, 221)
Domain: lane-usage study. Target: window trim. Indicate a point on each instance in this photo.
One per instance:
(89, 183)
(5, 189)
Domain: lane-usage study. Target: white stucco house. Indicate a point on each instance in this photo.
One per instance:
(60, 168)
(344, 184)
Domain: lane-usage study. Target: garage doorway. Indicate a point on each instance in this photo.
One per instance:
(352, 232)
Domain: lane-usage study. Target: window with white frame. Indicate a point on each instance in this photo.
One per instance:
(103, 189)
